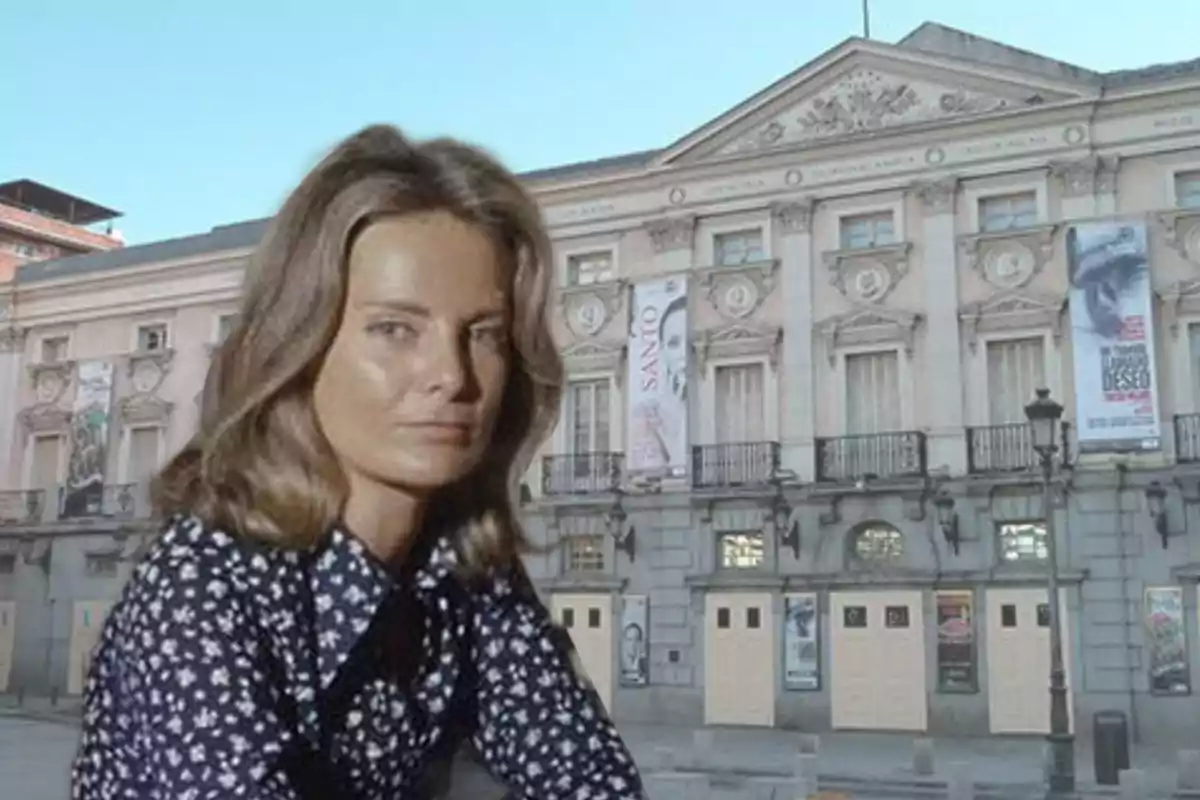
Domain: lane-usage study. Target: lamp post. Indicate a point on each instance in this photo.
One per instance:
(1044, 415)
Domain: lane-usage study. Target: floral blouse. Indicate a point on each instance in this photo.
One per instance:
(230, 670)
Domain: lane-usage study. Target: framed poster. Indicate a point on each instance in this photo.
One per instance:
(956, 662)
(635, 640)
(801, 642)
(1166, 642)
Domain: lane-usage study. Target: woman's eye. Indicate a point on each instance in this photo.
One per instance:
(489, 335)
(392, 329)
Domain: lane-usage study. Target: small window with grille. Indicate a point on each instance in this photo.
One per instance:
(584, 553)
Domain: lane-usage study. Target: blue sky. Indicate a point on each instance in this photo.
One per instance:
(186, 115)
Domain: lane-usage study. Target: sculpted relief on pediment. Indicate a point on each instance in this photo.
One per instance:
(867, 100)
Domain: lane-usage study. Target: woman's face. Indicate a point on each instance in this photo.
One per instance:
(411, 387)
(674, 347)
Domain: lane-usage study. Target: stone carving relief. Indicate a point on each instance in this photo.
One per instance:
(1012, 311)
(595, 356)
(672, 233)
(794, 216)
(737, 341)
(1087, 176)
(868, 275)
(587, 310)
(12, 339)
(736, 292)
(146, 373)
(869, 325)
(937, 196)
(863, 101)
(51, 380)
(1180, 299)
(1181, 231)
(1009, 259)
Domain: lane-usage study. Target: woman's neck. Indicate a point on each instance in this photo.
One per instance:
(386, 519)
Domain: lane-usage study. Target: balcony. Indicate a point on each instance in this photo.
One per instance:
(900, 454)
(581, 473)
(117, 502)
(1187, 438)
(736, 465)
(1000, 448)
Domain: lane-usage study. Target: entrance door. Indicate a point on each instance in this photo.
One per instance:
(588, 618)
(877, 679)
(739, 659)
(1018, 655)
(86, 627)
(8, 637)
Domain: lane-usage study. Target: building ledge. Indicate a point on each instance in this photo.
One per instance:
(580, 583)
(734, 581)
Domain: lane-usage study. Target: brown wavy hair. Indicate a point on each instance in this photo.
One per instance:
(259, 465)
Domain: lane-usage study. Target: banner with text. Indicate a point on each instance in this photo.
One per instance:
(658, 372)
(635, 640)
(801, 644)
(1112, 325)
(83, 496)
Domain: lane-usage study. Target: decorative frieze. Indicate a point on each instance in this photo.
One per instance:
(1013, 311)
(587, 310)
(1181, 232)
(871, 325)
(1009, 259)
(937, 196)
(868, 275)
(737, 292)
(737, 341)
(1087, 176)
(794, 216)
(672, 233)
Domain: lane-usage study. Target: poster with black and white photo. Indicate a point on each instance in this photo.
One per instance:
(1112, 337)
(635, 644)
(801, 643)
(1166, 641)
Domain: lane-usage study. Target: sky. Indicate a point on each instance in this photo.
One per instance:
(188, 115)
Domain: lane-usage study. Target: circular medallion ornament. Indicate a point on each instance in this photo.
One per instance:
(49, 387)
(935, 155)
(146, 377)
(677, 196)
(870, 283)
(1008, 265)
(738, 296)
(1191, 244)
(588, 315)
(793, 177)
(1074, 134)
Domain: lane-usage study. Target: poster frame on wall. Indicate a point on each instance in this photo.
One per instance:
(801, 666)
(1113, 340)
(1168, 601)
(87, 459)
(658, 365)
(633, 641)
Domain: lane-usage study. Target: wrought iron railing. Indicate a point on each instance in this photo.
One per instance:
(733, 465)
(22, 506)
(1187, 438)
(581, 473)
(1000, 448)
(899, 454)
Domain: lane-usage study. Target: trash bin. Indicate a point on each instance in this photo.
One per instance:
(1110, 746)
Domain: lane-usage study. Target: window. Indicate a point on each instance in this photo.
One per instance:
(101, 566)
(54, 349)
(224, 326)
(585, 553)
(873, 392)
(895, 617)
(723, 618)
(25, 249)
(741, 549)
(568, 618)
(753, 618)
(143, 455)
(878, 543)
(593, 618)
(585, 269)
(1016, 369)
(8, 563)
(1187, 189)
(587, 416)
(1043, 615)
(1006, 212)
(151, 338)
(44, 470)
(1022, 541)
(738, 247)
(861, 231)
(1008, 616)
(739, 404)
(1194, 342)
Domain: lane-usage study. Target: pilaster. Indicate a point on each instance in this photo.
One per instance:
(12, 349)
(793, 221)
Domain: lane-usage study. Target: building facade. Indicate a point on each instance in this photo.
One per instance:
(793, 483)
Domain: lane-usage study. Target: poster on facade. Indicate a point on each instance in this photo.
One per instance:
(83, 494)
(956, 642)
(658, 378)
(1166, 641)
(1112, 326)
(801, 643)
(635, 640)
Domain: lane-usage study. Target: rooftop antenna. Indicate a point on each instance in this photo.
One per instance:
(866, 15)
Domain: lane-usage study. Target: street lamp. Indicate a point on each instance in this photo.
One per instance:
(947, 518)
(1044, 415)
(1156, 503)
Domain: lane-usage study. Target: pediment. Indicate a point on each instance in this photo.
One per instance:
(736, 341)
(862, 88)
(869, 326)
(591, 355)
(1012, 311)
(145, 409)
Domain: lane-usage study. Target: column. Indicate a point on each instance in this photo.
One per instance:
(12, 348)
(1078, 183)
(943, 370)
(797, 422)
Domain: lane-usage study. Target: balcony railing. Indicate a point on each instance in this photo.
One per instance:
(1187, 438)
(900, 454)
(581, 473)
(734, 465)
(1000, 448)
(123, 501)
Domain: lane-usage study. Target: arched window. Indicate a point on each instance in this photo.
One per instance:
(877, 543)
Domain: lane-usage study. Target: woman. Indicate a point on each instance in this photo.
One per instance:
(337, 601)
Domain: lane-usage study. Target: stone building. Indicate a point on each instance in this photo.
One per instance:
(793, 483)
